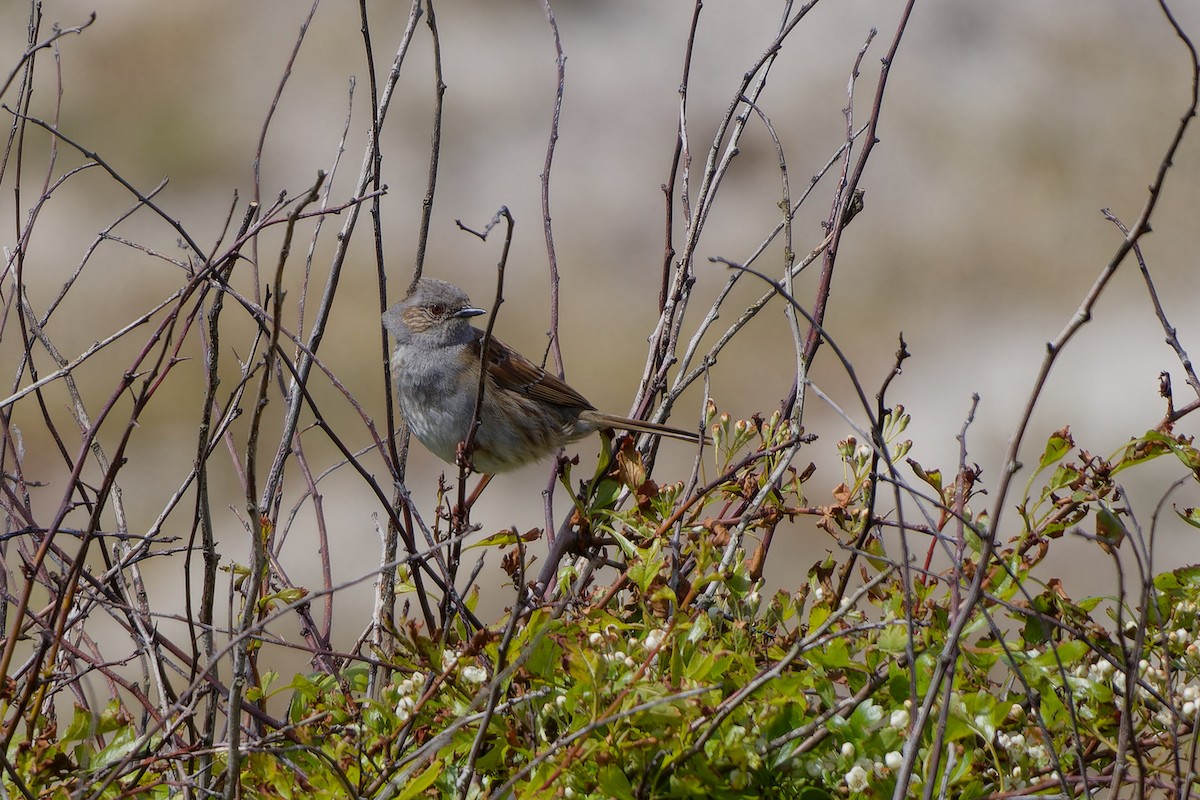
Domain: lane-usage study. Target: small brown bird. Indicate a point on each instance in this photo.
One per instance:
(527, 414)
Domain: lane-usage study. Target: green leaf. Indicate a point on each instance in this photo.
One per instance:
(1039, 625)
(627, 547)
(699, 667)
(81, 725)
(417, 785)
(605, 494)
(817, 616)
(1154, 444)
(121, 745)
(893, 639)
(835, 655)
(614, 783)
(932, 477)
(1067, 652)
(646, 568)
(979, 709)
(1057, 447)
(984, 654)
(1064, 476)
(1110, 531)
(958, 727)
(498, 539)
(284, 597)
(1189, 515)
(544, 657)
(305, 691)
(1188, 576)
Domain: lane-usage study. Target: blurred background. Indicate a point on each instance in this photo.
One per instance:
(1006, 128)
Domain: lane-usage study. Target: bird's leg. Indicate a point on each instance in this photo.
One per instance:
(484, 480)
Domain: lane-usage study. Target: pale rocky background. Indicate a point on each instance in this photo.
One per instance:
(1006, 127)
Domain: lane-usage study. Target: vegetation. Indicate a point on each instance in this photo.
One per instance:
(650, 646)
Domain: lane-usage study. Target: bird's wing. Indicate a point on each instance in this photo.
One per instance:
(512, 371)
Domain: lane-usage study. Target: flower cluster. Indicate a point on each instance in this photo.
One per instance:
(407, 693)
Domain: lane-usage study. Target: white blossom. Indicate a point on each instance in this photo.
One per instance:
(856, 779)
(474, 674)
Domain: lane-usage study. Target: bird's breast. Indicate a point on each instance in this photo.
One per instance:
(437, 404)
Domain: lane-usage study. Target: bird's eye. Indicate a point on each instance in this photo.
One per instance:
(437, 310)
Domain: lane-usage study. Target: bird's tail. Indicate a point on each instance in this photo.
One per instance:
(642, 426)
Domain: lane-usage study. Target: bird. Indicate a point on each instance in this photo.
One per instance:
(527, 413)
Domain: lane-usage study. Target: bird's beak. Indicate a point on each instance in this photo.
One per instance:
(469, 312)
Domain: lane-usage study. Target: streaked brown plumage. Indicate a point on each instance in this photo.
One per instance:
(527, 413)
